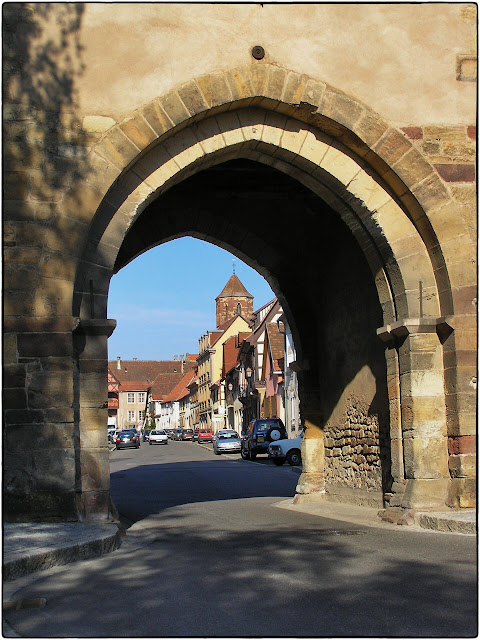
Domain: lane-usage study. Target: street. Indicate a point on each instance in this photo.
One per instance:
(209, 554)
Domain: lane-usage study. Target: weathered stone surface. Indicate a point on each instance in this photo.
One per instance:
(59, 232)
(138, 131)
(97, 124)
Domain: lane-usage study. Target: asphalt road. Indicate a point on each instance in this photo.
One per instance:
(210, 555)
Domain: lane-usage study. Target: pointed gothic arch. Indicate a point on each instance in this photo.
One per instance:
(388, 195)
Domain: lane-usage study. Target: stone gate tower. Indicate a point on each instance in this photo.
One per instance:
(233, 300)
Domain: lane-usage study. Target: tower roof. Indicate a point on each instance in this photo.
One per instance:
(234, 289)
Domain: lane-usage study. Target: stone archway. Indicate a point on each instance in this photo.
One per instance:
(369, 173)
(390, 226)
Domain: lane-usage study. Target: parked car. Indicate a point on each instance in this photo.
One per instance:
(187, 434)
(227, 441)
(260, 434)
(169, 433)
(288, 450)
(158, 436)
(205, 435)
(146, 435)
(112, 435)
(177, 434)
(128, 438)
(195, 433)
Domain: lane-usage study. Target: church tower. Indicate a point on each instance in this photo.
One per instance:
(233, 300)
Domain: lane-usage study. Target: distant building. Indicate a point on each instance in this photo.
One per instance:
(233, 300)
(133, 383)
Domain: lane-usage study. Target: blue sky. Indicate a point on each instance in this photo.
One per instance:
(164, 300)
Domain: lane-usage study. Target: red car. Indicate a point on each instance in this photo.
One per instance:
(205, 435)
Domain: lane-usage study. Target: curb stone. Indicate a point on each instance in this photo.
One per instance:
(56, 544)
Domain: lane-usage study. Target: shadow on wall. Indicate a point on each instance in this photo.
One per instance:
(41, 61)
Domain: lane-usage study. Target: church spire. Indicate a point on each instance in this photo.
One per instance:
(233, 300)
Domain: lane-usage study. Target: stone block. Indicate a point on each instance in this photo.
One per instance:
(294, 136)
(138, 131)
(462, 444)
(18, 278)
(15, 305)
(338, 164)
(462, 465)
(59, 267)
(39, 506)
(392, 146)
(425, 458)
(462, 493)
(419, 412)
(251, 121)
(412, 168)
(215, 89)
(82, 202)
(230, 127)
(156, 117)
(295, 88)
(97, 124)
(422, 384)
(275, 83)
(209, 135)
(238, 81)
(370, 128)
(364, 187)
(15, 185)
(341, 108)
(65, 236)
(95, 506)
(184, 148)
(31, 437)
(41, 345)
(14, 399)
(174, 108)
(31, 234)
(49, 390)
(313, 92)
(94, 469)
(258, 77)
(425, 493)
(192, 98)
(117, 149)
(431, 193)
(53, 298)
(60, 417)
(93, 392)
(44, 187)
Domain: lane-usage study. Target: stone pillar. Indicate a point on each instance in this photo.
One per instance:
(38, 422)
(311, 485)
(91, 405)
(423, 415)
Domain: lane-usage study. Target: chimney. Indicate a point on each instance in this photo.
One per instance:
(119, 364)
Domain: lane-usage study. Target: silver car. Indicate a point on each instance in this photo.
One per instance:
(227, 441)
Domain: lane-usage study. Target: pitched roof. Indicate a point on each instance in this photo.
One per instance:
(234, 289)
(134, 386)
(160, 375)
(230, 351)
(181, 389)
(276, 341)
